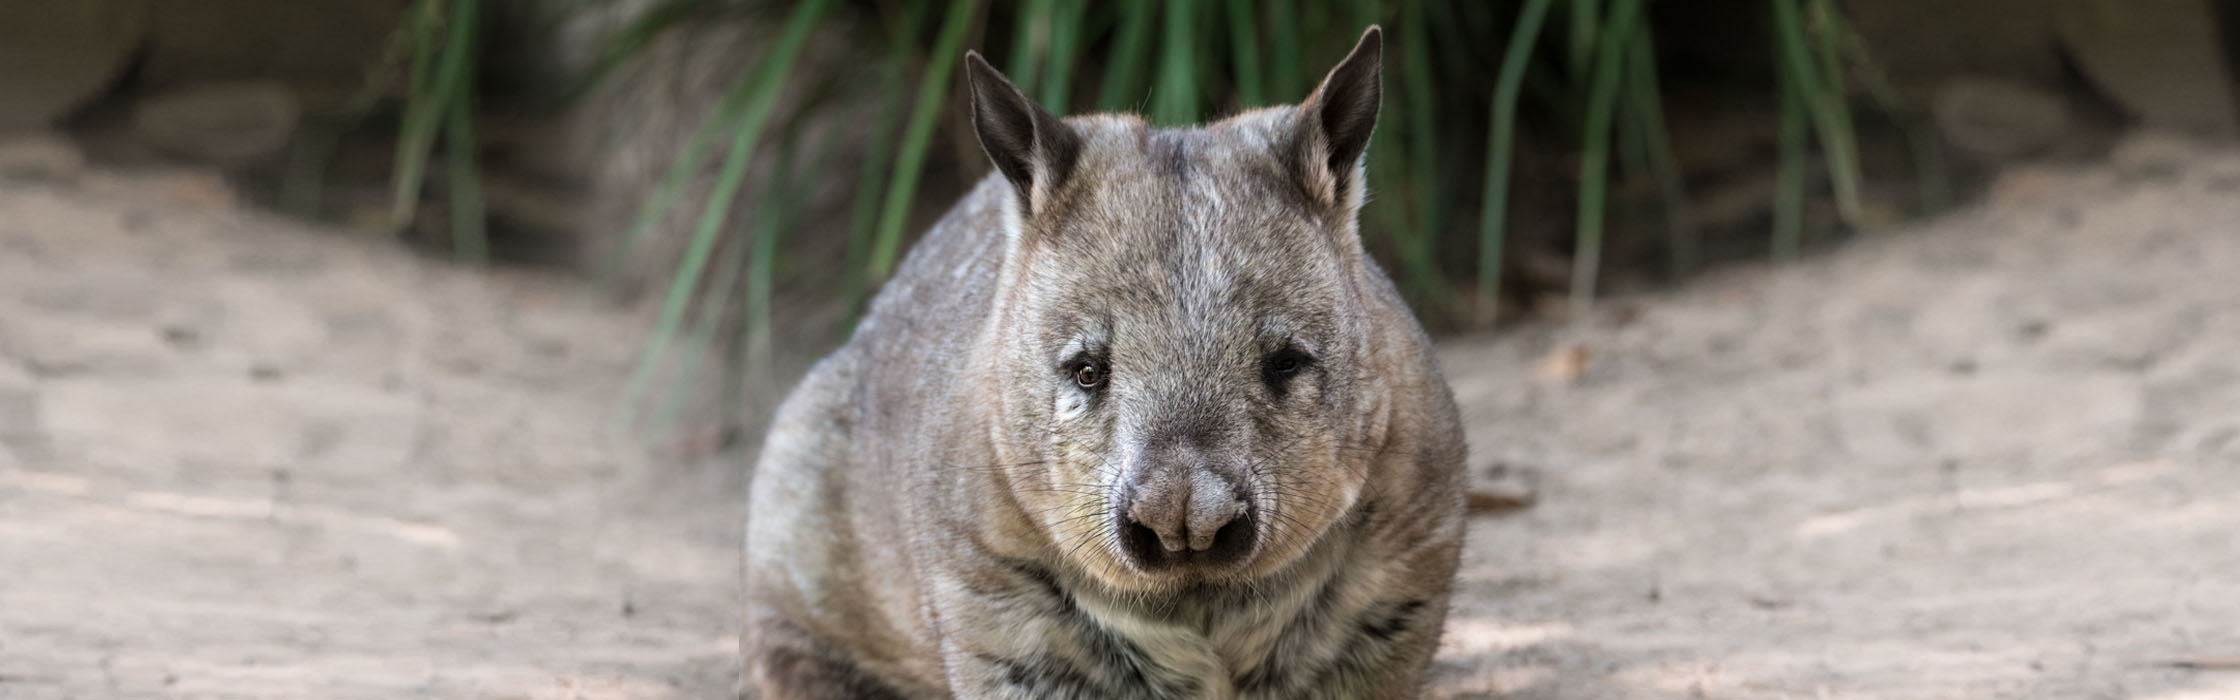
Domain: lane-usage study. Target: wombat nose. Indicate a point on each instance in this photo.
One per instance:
(1172, 521)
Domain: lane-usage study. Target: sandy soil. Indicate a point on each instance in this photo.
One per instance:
(1997, 455)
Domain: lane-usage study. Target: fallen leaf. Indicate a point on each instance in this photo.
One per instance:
(1564, 366)
(1495, 500)
(1502, 487)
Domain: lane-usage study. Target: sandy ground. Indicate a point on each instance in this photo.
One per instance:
(1997, 455)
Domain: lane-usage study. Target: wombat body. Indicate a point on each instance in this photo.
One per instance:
(1137, 419)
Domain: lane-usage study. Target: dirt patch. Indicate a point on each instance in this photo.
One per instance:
(1994, 456)
(243, 459)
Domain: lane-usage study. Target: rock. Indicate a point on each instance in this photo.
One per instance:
(1998, 120)
(223, 124)
(325, 44)
(2161, 60)
(39, 156)
(2009, 38)
(57, 56)
(2155, 153)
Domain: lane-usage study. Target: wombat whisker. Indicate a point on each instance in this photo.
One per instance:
(1092, 493)
(1076, 516)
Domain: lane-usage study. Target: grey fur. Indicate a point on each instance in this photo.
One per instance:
(937, 512)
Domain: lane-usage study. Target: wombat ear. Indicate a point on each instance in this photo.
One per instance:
(1332, 128)
(1033, 149)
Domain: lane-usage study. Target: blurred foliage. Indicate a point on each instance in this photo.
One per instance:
(1460, 76)
(441, 96)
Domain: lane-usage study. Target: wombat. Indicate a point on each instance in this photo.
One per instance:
(1138, 418)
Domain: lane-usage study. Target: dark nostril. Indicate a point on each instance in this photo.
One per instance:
(1181, 532)
(1232, 542)
(1140, 542)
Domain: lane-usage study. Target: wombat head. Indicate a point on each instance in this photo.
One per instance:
(1180, 323)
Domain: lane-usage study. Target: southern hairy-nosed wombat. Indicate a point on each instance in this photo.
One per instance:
(1137, 419)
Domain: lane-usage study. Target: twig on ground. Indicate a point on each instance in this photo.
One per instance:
(2226, 662)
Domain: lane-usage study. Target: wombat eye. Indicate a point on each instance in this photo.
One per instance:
(1088, 375)
(1281, 365)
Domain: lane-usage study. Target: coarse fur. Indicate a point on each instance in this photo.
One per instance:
(1138, 418)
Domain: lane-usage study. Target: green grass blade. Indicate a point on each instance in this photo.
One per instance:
(1646, 104)
(909, 164)
(304, 189)
(1842, 143)
(869, 181)
(1065, 45)
(426, 19)
(1452, 35)
(1034, 23)
(1493, 219)
(1424, 185)
(1829, 109)
(700, 336)
(1826, 44)
(672, 184)
(1177, 102)
(1632, 150)
(1922, 140)
(1127, 55)
(746, 263)
(1477, 19)
(872, 176)
(680, 174)
(753, 258)
(1287, 80)
(1585, 27)
(1594, 168)
(1419, 277)
(1788, 195)
(431, 86)
(470, 243)
(772, 73)
(1244, 52)
(776, 218)
(753, 343)
(628, 42)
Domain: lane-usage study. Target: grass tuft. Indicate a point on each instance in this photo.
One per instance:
(1120, 83)
(1820, 88)
(1594, 175)
(762, 98)
(1645, 112)
(1176, 102)
(1501, 128)
(1596, 86)
(918, 135)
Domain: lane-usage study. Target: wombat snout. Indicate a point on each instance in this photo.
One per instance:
(1179, 518)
